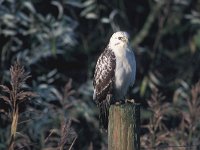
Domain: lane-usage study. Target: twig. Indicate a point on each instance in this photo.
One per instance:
(72, 143)
(145, 30)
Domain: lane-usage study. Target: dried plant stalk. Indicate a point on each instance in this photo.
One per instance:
(14, 122)
(15, 96)
(66, 132)
(157, 132)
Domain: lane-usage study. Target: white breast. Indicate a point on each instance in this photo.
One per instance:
(124, 73)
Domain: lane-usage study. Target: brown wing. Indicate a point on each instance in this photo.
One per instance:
(104, 75)
(103, 80)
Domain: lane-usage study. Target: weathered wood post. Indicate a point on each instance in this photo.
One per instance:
(124, 127)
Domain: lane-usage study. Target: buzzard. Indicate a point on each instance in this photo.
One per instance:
(114, 72)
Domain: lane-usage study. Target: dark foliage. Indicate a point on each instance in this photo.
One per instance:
(59, 41)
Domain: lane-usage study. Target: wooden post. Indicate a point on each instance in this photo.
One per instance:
(124, 127)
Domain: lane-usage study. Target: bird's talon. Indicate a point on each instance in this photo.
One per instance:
(130, 101)
(119, 102)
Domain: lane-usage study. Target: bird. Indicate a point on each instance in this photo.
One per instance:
(114, 73)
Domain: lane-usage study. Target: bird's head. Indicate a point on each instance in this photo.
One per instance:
(119, 40)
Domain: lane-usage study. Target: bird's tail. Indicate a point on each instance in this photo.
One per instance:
(103, 114)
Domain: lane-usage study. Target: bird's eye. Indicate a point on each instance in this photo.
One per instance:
(119, 38)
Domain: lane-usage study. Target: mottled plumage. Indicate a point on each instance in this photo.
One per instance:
(114, 73)
(104, 74)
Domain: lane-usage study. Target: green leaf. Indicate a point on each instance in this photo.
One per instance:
(143, 86)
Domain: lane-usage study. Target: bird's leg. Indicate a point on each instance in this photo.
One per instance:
(130, 101)
(109, 98)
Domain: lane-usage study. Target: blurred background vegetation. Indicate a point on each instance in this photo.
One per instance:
(58, 42)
